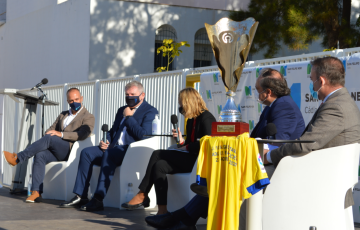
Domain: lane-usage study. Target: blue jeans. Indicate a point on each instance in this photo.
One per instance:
(45, 150)
(108, 160)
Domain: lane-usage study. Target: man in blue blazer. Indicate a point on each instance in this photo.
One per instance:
(272, 91)
(132, 122)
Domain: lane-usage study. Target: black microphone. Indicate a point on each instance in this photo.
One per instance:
(174, 121)
(105, 129)
(271, 131)
(43, 82)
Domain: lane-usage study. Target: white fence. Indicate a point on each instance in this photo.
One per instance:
(104, 97)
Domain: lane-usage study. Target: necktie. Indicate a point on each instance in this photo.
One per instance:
(117, 136)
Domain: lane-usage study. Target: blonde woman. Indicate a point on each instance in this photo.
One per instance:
(180, 160)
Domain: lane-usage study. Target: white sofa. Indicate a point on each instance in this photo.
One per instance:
(132, 170)
(60, 176)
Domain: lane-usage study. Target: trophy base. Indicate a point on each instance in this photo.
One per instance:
(229, 128)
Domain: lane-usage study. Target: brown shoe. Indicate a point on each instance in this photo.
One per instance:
(10, 158)
(33, 197)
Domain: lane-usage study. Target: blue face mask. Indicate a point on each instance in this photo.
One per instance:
(314, 93)
(75, 106)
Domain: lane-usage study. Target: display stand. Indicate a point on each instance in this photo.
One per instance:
(28, 121)
(254, 205)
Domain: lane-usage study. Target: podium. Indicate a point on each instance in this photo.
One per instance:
(28, 121)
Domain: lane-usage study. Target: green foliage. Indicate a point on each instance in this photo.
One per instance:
(297, 23)
(170, 50)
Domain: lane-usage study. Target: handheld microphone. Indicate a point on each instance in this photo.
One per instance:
(105, 129)
(174, 121)
(271, 131)
(43, 82)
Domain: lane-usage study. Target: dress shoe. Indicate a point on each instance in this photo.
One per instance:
(199, 189)
(10, 158)
(34, 197)
(75, 202)
(145, 203)
(161, 221)
(181, 226)
(93, 205)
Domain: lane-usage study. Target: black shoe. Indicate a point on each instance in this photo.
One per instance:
(145, 203)
(93, 205)
(182, 226)
(75, 202)
(161, 221)
(199, 189)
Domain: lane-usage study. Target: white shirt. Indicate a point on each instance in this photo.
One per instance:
(70, 118)
(121, 140)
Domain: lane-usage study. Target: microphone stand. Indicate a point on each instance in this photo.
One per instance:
(42, 97)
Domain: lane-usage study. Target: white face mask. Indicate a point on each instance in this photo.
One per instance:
(258, 96)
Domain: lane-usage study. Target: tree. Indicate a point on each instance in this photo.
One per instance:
(298, 23)
(170, 50)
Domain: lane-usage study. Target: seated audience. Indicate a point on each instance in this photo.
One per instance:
(70, 126)
(178, 160)
(131, 123)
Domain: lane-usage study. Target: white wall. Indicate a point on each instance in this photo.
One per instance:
(123, 35)
(42, 38)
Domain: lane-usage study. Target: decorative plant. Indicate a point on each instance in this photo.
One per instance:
(170, 50)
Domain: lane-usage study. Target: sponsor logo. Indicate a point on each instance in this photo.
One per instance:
(238, 107)
(258, 72)
(251, 125)
(350, 64)
(309, 98)
(246, 72)
(248, 91)
(283, 70)
(344, 63)
(309, 68)
(208, 94)
(310, 109)
(355, 96)
(260, 108)
(295, 93)
(219, 107)
(216, 78)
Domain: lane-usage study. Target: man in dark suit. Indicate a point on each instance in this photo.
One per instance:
(70, 126)
(281, 110)
(131, 123)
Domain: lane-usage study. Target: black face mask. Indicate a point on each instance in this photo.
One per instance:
(181, 110)
(132, 101)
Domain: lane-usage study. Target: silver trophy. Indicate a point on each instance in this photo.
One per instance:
(231, 42)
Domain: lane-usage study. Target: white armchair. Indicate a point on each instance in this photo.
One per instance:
(132, 170)
(310, 190)
(60, 176)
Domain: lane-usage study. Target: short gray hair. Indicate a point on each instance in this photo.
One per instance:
(135, 83)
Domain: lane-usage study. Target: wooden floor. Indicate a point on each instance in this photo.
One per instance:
(16, 214)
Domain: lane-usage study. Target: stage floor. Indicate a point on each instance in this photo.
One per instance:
(16, 214)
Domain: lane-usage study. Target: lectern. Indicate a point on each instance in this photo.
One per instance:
(28, 121)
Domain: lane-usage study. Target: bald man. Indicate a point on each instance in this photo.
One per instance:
(70, 126)
(281, 110)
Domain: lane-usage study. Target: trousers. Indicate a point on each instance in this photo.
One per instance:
(108, 161)
(45, 150)
(164, 162)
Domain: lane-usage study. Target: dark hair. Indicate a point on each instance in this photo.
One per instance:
(278, 87)
(331, 68)
(269, 72)
(71, 89)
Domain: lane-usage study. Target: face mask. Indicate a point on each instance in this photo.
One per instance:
(181, 110)
(314, 93)
(75, 106)
(132, 101)
(261, 102)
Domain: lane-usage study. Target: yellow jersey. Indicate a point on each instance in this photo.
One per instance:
(232, 170)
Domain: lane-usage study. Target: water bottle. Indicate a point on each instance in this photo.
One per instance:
(130, 192)
(156, 125)
(29, 186)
